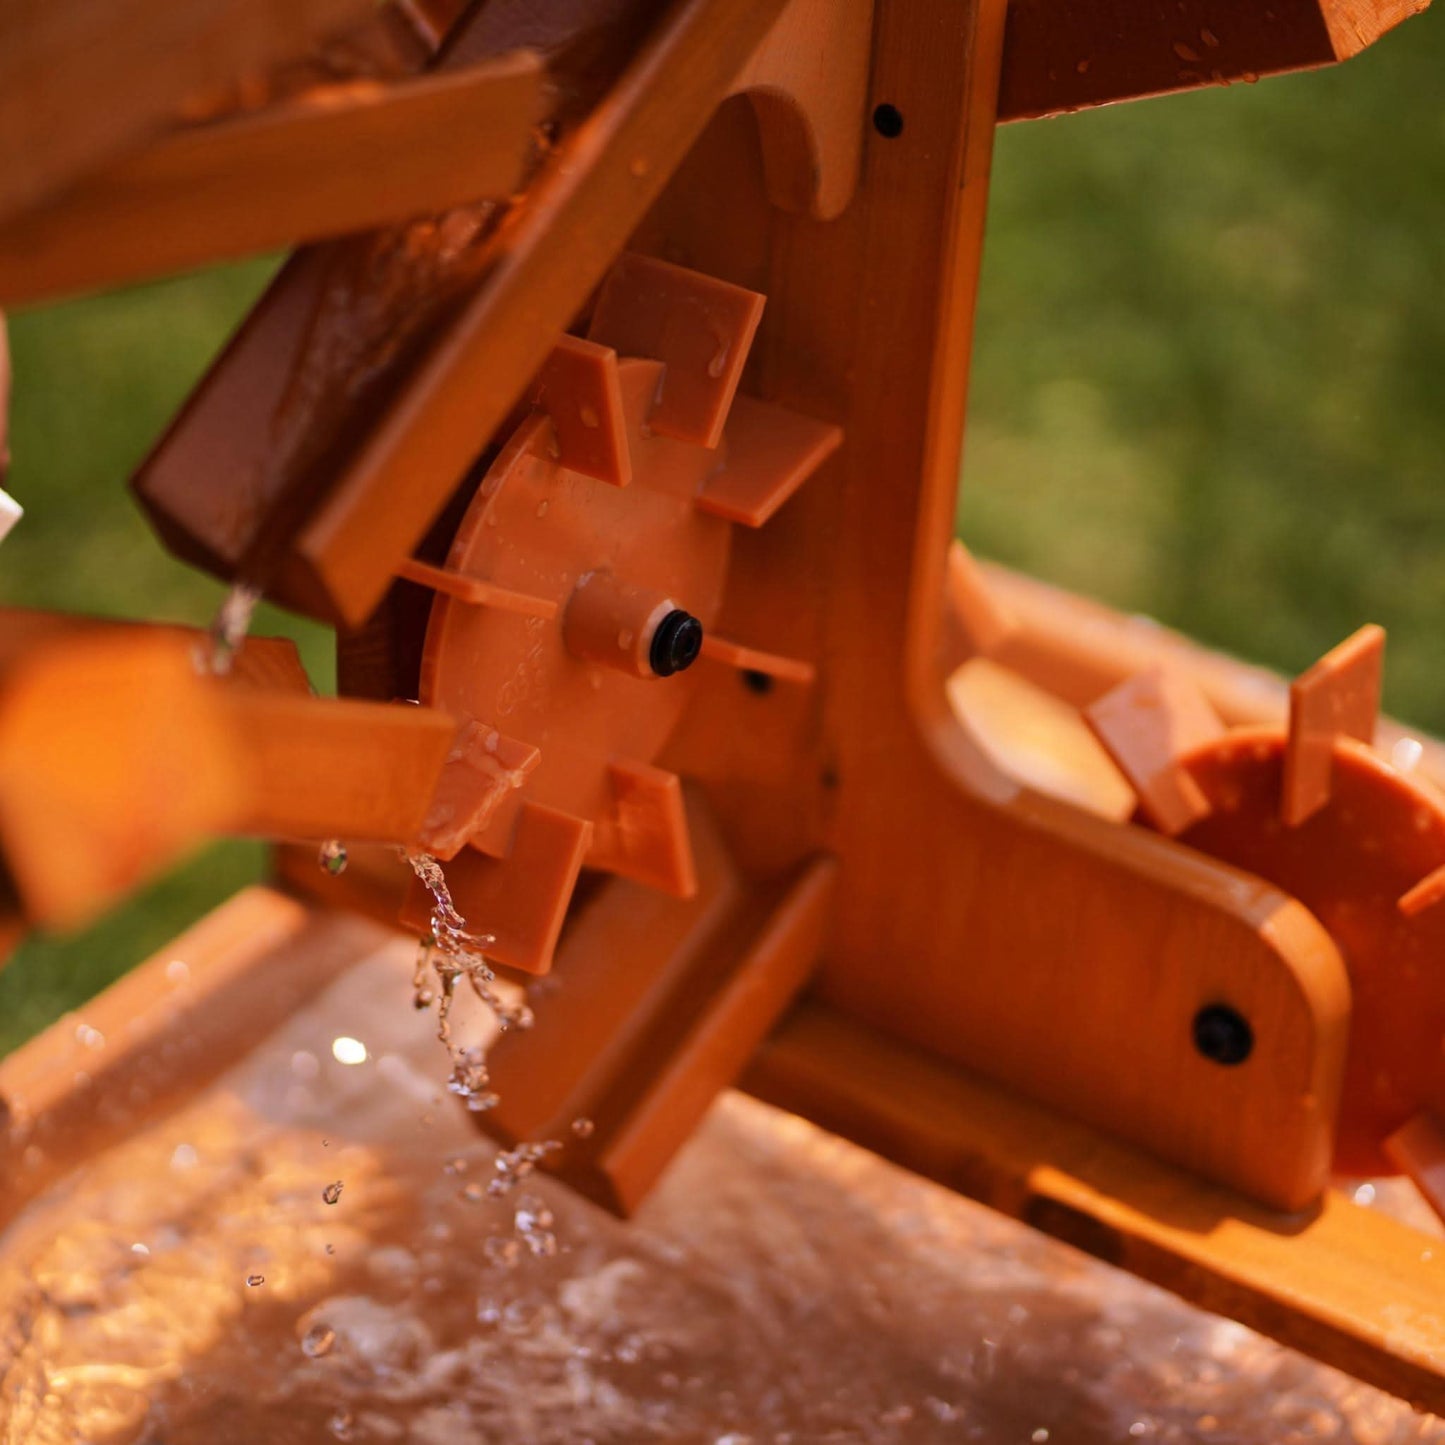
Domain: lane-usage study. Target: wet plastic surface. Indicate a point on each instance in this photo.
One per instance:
(781, 1286)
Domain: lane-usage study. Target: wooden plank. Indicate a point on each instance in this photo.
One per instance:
(273, 423)
(1345, 1284)
(338, 160)
(1077, 648)
(1064, 55)
(165, 1030)
(548, 257)
(116, 756)
(82, 79)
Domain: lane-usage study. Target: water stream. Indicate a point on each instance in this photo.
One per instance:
(781, 1287)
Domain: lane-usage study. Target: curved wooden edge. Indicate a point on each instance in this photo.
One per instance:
(1077, 649)
(1349, 1286)
(808, 85)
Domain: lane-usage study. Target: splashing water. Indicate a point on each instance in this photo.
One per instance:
(515, 1165)
(332, 1193)
(318, 1341)
(451, 953)
(227, 633)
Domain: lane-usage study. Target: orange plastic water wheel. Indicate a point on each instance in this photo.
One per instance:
(1350, 863)
(582, 585)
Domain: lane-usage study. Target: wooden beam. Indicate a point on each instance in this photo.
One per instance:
(82, 79)
(1064, 55)
(1345, 1284)
(548, 257)
(166, 1029)
(342, 159)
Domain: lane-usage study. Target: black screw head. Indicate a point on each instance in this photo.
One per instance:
(888, 121)
(1223, 1034)
(675, 644)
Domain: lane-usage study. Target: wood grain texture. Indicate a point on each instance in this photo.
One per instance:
(973, 918)
(81, 79)
(548, 257)
(808, 85)
(1077, 648)
(167, 1029)
(1345, 1284)
(342, 159)
(1064, 55)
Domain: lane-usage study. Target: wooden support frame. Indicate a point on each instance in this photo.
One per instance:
(82, 79)
(1348, 1285)
(287, 174)
(1065, 55)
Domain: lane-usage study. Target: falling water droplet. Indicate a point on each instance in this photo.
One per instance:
(332, 857)
(254, 1280)
(583, 1128)
(318, 1340)
(340, 1424)
(228, 631)
(332, 1193)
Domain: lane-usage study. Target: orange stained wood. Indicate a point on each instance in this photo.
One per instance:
(1148, 724)
(1348, 1285)
(1339, 697)
(976, 622)
(81, 79)
(550, 254)
(1033, 737)
(1025, 937)
(808, 86)
(660, 1003)
(94, 800)
(268, 431)
(166, 1029)
(1417, 1148)
(322, 767)
(1076, 648)
(340, 159)
(1063, 55)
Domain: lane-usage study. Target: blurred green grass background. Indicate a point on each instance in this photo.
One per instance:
(1209, 385)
